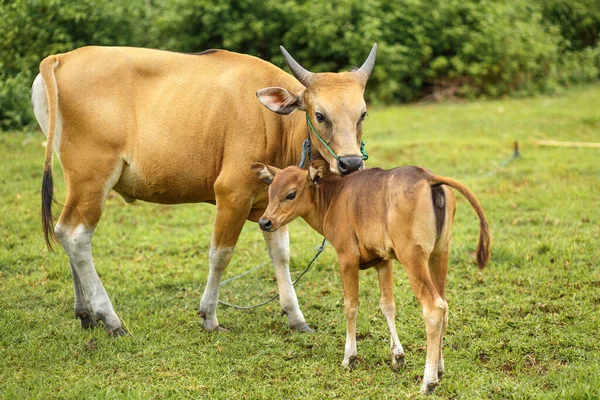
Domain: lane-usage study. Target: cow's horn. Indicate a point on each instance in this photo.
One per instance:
(367, 67)
(302, 74)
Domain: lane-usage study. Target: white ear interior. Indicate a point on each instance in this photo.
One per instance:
(278, 100)
(312, 172)
(263, 173)
(266, 176)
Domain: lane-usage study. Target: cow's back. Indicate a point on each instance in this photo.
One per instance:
(176, 120)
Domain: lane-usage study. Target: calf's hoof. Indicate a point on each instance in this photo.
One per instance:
(398, 361)
(302, 327)
(428, 388)
(350, 363)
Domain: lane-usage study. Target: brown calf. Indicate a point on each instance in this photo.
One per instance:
(372, 217)
(174, 128)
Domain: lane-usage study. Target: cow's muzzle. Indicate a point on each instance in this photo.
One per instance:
(350, 164)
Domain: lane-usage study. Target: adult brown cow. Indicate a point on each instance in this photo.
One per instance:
(176, 128)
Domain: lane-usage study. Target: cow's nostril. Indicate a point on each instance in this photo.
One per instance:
(349, 164)
(265, 224)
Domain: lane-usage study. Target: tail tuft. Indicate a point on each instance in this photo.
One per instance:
(47, 199)
(483, 245)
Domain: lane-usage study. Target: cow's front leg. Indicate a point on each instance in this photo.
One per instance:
(232, 211)
(349, 274)
(278, 245)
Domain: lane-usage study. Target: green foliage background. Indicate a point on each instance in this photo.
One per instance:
(428, 48)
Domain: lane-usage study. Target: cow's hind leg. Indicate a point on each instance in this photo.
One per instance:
(278, 245)
(82, 308)
(86, 195)
(232, 211)
(388, 308)
(87, 191)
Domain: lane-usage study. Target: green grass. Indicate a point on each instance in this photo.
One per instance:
(525, 327)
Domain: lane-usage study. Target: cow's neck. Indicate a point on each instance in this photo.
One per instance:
(293, 135)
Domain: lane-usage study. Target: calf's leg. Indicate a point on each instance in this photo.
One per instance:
(435, 309)
(438, 268)
(349, 274)
(278, 245)
(388, 308)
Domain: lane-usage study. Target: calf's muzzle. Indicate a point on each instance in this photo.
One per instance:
(265, 224)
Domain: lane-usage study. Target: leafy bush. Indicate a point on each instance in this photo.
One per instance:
(434, 48)
(33, 29)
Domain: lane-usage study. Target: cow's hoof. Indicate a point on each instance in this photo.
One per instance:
(428, 388)
(219, 328)
(211, 324)
(302, 327)
(118, 331)
(398, 361)
(215, 328)
(87, 322)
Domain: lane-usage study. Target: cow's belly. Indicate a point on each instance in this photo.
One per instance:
(164, 184)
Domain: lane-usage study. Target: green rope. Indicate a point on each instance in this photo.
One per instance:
(242, 307)
(365, 156)
(320, 138)
(363, 151)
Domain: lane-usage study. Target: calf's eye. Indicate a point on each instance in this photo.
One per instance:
(363, 116)
(320, 117)
(291, 196)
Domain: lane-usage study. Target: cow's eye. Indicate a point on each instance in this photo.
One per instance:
(320, 117)
(291, 196)
(363, 116)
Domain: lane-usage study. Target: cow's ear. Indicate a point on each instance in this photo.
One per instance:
(316, 171)
(265, 173)
(279, 100)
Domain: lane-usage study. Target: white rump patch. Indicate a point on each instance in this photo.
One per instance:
(39, 100)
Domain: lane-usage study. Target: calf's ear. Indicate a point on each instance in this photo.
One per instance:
(316, 171)
(279, 100)
(265, 173)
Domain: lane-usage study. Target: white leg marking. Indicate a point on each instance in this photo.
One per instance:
(388, 308)
(278, 246)
(350, 351)
(434, 321)
(81, 305)
(389, 312)
(78, 245)
(441, 367)
(219, 258)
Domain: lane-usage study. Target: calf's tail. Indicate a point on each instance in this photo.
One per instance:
(485, 236)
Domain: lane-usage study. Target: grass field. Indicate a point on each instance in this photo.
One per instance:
(525, 327)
